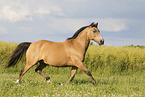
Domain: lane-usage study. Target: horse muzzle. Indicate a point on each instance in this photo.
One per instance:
(101, 42)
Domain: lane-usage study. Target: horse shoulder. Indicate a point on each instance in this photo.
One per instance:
(72, 52)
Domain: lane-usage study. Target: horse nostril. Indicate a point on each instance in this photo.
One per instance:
(102, 41)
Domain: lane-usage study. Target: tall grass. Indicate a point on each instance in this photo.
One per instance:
(115, 59)
(5, 51)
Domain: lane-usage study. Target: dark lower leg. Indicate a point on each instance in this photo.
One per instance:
(83, 68)
(90, 75)
(20, 76)
(42, 74)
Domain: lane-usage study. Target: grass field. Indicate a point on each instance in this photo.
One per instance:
(119, 71)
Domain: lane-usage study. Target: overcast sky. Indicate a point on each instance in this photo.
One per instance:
(121, 22)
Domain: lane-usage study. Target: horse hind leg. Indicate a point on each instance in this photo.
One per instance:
(29, 64)
(19, 76)
(39, 70)
(23, 71)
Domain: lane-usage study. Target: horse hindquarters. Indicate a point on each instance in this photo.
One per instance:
(32, 57)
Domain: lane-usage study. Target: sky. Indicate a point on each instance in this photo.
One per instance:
(121, 22)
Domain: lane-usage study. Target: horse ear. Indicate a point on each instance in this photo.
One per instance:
(92, 24)
(96, 24)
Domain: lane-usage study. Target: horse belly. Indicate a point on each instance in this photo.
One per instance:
(56, 56)
(56, 59)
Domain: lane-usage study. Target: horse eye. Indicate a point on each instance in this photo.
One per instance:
(94, 31)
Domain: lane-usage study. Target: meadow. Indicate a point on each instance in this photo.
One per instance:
(119, 71)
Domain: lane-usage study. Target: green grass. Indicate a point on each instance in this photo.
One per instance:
(34, 85)
(119, 71)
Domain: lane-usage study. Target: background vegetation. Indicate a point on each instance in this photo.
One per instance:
(119, 71)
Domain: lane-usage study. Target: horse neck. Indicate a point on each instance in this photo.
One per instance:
(82, 41)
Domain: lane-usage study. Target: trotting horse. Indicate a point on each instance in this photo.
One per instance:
(70, 53)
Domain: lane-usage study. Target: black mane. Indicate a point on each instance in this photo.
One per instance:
(77, 33)
(80, 30)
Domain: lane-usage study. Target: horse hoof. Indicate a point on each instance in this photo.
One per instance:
(48, 81)
(17, 81)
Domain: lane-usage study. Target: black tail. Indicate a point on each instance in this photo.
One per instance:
(18, 53)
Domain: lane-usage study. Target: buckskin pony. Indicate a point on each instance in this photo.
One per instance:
(70, 53)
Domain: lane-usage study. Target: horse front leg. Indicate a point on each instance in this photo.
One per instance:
(83, 68)
(73, 71)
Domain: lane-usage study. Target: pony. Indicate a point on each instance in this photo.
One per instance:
(70, 53)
